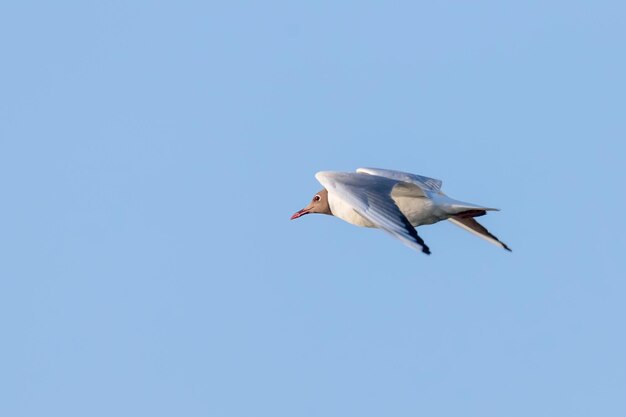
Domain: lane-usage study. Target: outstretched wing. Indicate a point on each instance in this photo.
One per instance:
(434, 185)
(471, 225)
(426, 183)
(370, 196)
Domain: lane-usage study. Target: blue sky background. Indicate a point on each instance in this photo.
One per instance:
(151, 154)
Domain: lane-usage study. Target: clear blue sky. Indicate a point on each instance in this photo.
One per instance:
(151, 154)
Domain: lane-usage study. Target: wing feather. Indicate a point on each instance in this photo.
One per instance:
(472, 226)
(426, 183)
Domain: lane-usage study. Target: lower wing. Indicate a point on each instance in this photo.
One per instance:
(471, 225)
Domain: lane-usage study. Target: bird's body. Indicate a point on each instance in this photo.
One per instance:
(395, 202)
(417, 210)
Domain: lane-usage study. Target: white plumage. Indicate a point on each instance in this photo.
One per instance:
(397, 202)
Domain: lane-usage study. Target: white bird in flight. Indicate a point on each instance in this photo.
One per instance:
(395, 202)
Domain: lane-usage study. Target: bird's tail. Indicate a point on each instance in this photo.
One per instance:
(462, 214)
(462, 209)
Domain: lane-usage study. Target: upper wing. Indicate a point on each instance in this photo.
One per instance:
(370, 196)
(425, 183)
(471, 225)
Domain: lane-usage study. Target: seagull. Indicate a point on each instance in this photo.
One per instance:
(394, 201)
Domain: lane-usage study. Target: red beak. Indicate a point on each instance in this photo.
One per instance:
(299, 213)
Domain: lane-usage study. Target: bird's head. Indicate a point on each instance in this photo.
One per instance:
(319, 204)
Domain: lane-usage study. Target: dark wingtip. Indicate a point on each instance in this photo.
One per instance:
(506, 247)
(426, 250)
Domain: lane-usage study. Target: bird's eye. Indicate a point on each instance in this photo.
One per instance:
(317, 198)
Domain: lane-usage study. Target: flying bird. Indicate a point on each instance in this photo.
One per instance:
(394, 201)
